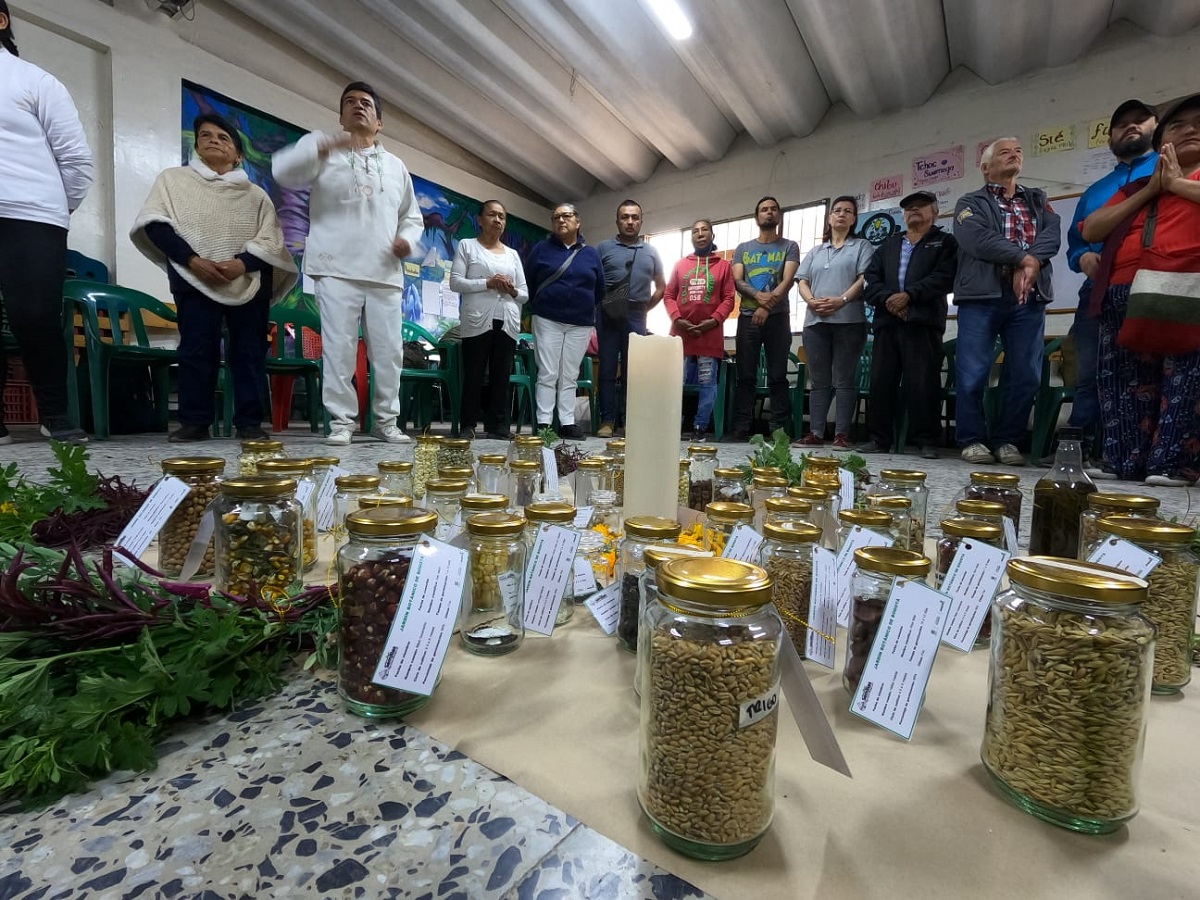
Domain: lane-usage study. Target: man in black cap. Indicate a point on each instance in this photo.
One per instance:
(907, 282)
(1129, 136)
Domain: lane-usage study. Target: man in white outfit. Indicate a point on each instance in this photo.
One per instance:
(363, 221)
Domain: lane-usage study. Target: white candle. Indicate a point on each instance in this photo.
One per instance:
(653, 409)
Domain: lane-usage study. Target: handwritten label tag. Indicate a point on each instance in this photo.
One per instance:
(146, 523)
(892, 687)
(845, 489)
(549, 471)
(583, 517)
(1128, 557)
(822, 608)
(759, 708)
(547, 575)
(325, 491)
(605, 607)
(743, 544)
(806, 709)
(304, 491)
(583, 578)
(971, 583)
(858, 538)
(1010, 535)
(425, 618)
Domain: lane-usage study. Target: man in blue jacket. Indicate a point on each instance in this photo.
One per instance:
(1129, 134)
(1007, 234)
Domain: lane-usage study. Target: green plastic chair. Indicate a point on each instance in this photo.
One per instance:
(1048, 402)
(522, 379)
(285, 364)
(416, 385)
(114, 332)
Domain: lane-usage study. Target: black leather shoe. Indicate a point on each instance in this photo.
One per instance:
(498, 435)
(186, 434)
(570, 433)
(930, 452)
(870, 447)
(248, 433)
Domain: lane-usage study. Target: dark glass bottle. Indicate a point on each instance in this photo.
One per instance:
(1058, 500)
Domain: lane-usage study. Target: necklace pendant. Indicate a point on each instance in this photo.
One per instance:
(366, 190)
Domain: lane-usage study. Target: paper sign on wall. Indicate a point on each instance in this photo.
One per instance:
(887, 186)
(941, 165)
(1055, 139)
(1098, 134)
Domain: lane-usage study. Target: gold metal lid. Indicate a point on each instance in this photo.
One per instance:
(890, 561)
(889, 502)
(553, 511)
(770, 481)
(592, 462)
(607, 460)
(259, 486)
(525, 465)
(193, 465)
(1076, 580)
(701, 450)
(729, 472)
(980, 508)
(661, 553)
(374, 501)
(616, 445)
(1131, 502)
(429, 439)
(445, 486)
(1136, 528)
(527, 440)
(972, 528)
(458, 443)
(685, 463)
(902, 475)
(483, 502)
(868, 518)
(723, 584)
(655, 527)
(807, 492)
(788, 504)
(357, 482)
(496, 524)
(456, 473)
(766, 472)
(389, 466)
(285, 466)
(324, 461)
(262, 446)
(792, 532)
(829, 480)
(997, 479)
(725, 513)
(391, 521)
(492, 459)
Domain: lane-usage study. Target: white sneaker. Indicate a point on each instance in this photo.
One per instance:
(339, 436)
(1168, 481)
(976, 453)
(391, 434)
(1008, 455)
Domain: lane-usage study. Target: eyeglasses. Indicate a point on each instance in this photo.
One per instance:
(561, 217)
(843, 212)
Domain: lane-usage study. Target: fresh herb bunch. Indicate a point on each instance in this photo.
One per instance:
(566, 456)
(778, 453)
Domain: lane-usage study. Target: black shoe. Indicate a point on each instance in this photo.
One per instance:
(59, 428)
(186, 434)
(870, 447)
(570, 433)
(930, 452)
(244, 433)
(5, 437)
(469, 433)
(498, 435)
(698, 437)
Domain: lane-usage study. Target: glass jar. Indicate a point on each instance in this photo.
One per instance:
(459, 473)
(444, 497)
(378, 501)
(983, 510)
(729, 486)
(455, 453)
(685, 482)
(395, 477)
(876, 572)
(997, 487)
(1171, 602)
(719, 521)
(474, 503)
(257, 538)
(822, 515)
(704, 463)
(819, 467)
(527, 448)
(874, 519)
(615, 451)
(648, 590)
(762, 487)
(347, 491)
(765, 472)
(605, 513)
(491, 474)
(786, 555)
(640, 532)
(202, 475)
(829, 482)
(591, 474)
(707, 776)
(493, 621)
(1068, 684)
(306, 488)
(953, 533)
(321, 467)
(424, 462)
(592, 548)
(552, 513)
(900, 509)
(786, 509)
(253, 451)
(1111, 505)
(373, 566)
(911, 484)
(525, 482)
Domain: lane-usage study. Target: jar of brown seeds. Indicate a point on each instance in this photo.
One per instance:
(202, 475)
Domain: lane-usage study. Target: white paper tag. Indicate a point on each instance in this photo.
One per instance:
(806, 709)
(200, 542)
(822, 608)
(547, 575)
(549, 470)
(1010, 535)
(1128, 557)
(583, 517)
(892, 687)
(846, 488)
(146, 523)
(325, 491)
(304, 490)
(858, 538)
(509, 586)
(743, 544)
(605, 607)
(759, 708)
(971, 583)
(584, 579)
(425, 618)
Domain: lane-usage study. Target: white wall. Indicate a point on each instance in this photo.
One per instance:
(123, 67)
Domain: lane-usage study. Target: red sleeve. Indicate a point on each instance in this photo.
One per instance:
(671, 294)
(726, 290)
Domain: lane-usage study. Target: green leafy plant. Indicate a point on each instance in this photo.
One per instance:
(778, 453)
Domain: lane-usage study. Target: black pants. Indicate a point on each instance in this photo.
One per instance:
(906, 358)
(490, 354)
(200, 321)
(33, 264)
(775, 336)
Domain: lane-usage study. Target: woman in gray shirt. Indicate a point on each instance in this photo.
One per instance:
(830, 281)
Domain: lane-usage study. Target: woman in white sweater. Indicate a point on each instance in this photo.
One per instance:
(491, 280)
(45, 173)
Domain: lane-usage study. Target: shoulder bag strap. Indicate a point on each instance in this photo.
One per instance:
(561, 271)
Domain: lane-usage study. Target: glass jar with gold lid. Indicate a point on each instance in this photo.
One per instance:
(876, 571)
(1171, 602)
(459, 473)
(786, 555)
(899, 508)
(763, 487)
(395, 477)
(684, 482)
(706, 782)
(425, 455)
(985, 511)
(493, 622)
(480, 502)
(525, 482)
(729, 486)
(874, 519)
(908, 483)
(455, 452)
(591, 475)
(321, 467)
(996, 487)
(1106, 504)
(444, 497)
(641, 532)
(202, 475)
(527, 447)
(306, 496)
(615, 451)
(551, 512)
(830, 484)
(954, 532)
(373, 566)
(255, 450)
(377, 501)
(1068, 689)
(257, 538)
(491, 474)
(787, 509)
(648, 587)
(719, 521)
(823, 510)
(704, 463)
(347, 489)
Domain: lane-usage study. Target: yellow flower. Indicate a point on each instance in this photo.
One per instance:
(7, 509)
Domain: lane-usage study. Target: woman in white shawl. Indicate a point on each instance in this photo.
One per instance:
(218, 239)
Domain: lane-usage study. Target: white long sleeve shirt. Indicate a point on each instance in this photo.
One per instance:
(361, 201)
(473, 265)
(45, 161)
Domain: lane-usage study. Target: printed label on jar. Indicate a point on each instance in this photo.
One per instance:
(857, 538)
(151, 516)
(583, 517)
(325, 491)
(759, 708)
(547, 575)
(971, 582)
(584, 578)
(822, 608)
(605, 607)
(550, 470)
(1010, 535)
(743, 544)
(845, 489)
(1126, 556)
(509, 585)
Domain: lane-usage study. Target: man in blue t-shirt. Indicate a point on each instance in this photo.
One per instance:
(763, 271)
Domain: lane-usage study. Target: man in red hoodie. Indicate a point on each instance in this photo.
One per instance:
(698, 298)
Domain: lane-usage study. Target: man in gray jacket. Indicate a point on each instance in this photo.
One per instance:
(1007, 234)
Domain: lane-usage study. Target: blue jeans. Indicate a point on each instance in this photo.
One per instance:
(702, 371)
(612, 340)
(1085, 408)
(1021, 328)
